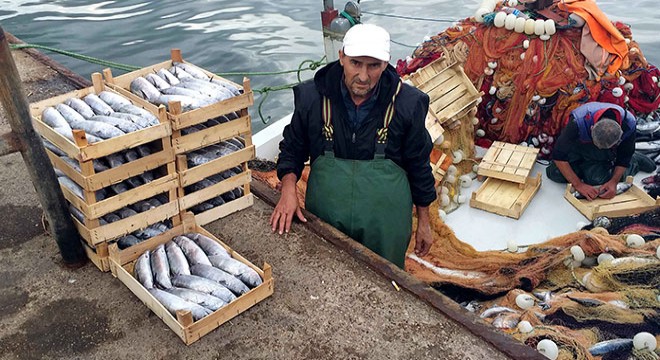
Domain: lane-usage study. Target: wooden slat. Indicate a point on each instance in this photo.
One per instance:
(146, 191)
(633, 201)
(212, 135)
(508, 162)
(197, 173)
(219, 212)
(200, 115)
(222, 187)
(129, 169)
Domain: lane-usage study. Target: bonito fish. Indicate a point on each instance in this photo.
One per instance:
(193, 252)
(178, 263)
(620, 189)
(142, 270)
(160, 267)
(201, 284)
(210, 246)
(234, 267)
(223, 278)
(174, 303)
(99, 106)
(208, 301)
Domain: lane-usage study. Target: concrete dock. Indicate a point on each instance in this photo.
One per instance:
(326, 305)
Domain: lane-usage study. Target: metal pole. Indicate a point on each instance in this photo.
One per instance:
(39, 167)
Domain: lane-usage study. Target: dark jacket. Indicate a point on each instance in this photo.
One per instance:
(577, 133)
(408, 144)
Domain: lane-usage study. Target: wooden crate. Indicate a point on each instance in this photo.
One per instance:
(189, 176)
(633, 201)
(452, 94)
(181, 119)
(122, 262)
(84, 152)
(504, 197)
(98, 255)
(508, 162)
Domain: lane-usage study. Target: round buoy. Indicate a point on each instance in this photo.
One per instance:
(519, 26)
(617, 92)
(512, 246)
(444, 190)
(539, 27)
(604, 258)
(498, 110)
(451, 170)
(634, 241)
(526, 44)
(542, 101)
(549, 27)
(475, 121)
(510, 22)
(488, 71)
(439, 140)
(628, 86)
(465, 180)
(548, 348)
(544, 37)
(645, 341)
(492, 64)
(457, 156)
(479, 14)
(442, 214)
(492, 90)
(522, 56)
(444, 200)
(525, 327)
(622, 80)
(513, 3)
(576, 20)
(524, 301)
(536, 97)
(493, 121)
(500, 17)
(529, 26)
(480, 133)
(577, 253)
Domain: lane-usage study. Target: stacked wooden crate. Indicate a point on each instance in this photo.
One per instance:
(79, 167)
(207, 133)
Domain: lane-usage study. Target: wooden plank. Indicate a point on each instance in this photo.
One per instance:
(121, 266)
(197, 173)
(126, 226)
(200, 115)
(508, 162)
(219, 212)
(633, 201)
(192, 199)
(129, 169)
(102, 263)
(212, 135)
(441, 87)
(143, 192)
(58, 140)
(130, 140)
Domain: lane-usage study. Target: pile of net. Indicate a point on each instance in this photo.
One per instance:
(532, 85)
(609, 291)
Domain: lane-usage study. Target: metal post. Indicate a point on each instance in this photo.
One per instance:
(39, 167)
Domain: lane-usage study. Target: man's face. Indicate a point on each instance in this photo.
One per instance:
(361, 73)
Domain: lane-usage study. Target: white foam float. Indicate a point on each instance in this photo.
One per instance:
(492, 90)
(457, 156)
(617, 92)
(480, 133)
(510, 22)
(494, 121)
(465, 181)
(539, 27)
(500, 17)
(524, 301)
(529, 26)
(519, 25)
(645, 341)
(548, 348)
(549, 27)
(492, 64)
(577, 253)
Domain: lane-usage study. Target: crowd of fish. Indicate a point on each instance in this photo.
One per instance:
(101, 116)
(195, 273)
(184, 83)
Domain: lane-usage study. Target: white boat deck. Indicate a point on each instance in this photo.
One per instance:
(548, 215)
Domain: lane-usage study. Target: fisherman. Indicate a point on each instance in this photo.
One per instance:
(597, 147)
(363, 131)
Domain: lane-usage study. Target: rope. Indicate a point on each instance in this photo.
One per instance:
(90, 59)
(409, 17)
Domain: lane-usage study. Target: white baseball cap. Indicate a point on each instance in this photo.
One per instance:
(367, 40)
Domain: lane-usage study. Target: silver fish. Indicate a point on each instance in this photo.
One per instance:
(143, 150)
(620, 189)
(193, 252)
(223, 278)
(99, 106)
(149, 118)
(176, 90)
(126, 212)
(66, 132)
(201, 207)
(180, 73)
(506, 321)
(201, 284)
(168, 76)
(187, 103)
(208, 301)
(111, 217)
(76, 189)
(81, 107)
(192, 70)
(208, 245)
(157, 81)
(134, 182)
(115, 160)
(153, 230)
(586, 301)
(96, 128)
(135, 119)
(121, 124)
(70, 115)
(147, 177)
(142, 270)
(496, 310)
(131, 155)
(174, 303)
(113, 100)
(77, 213)
(54, 149)
(144, 89)
(142, 206)
(127, 241)
(119, 188)
(178, 263)
(234, 267)
(160, 267)
(611, 346)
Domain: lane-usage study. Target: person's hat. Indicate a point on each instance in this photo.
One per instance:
(367, 40)
(606, 133)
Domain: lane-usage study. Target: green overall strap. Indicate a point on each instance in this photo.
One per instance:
(369, 200)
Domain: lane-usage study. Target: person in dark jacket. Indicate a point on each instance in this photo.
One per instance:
(597, 147)
(363, 131)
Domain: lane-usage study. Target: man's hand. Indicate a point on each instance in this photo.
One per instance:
(587, 191)
(607, 190)
(282, 216)
(423, 237)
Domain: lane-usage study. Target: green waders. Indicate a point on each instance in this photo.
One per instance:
(369, 200)
(592, 165)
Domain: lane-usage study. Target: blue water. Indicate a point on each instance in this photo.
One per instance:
(245, 36)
